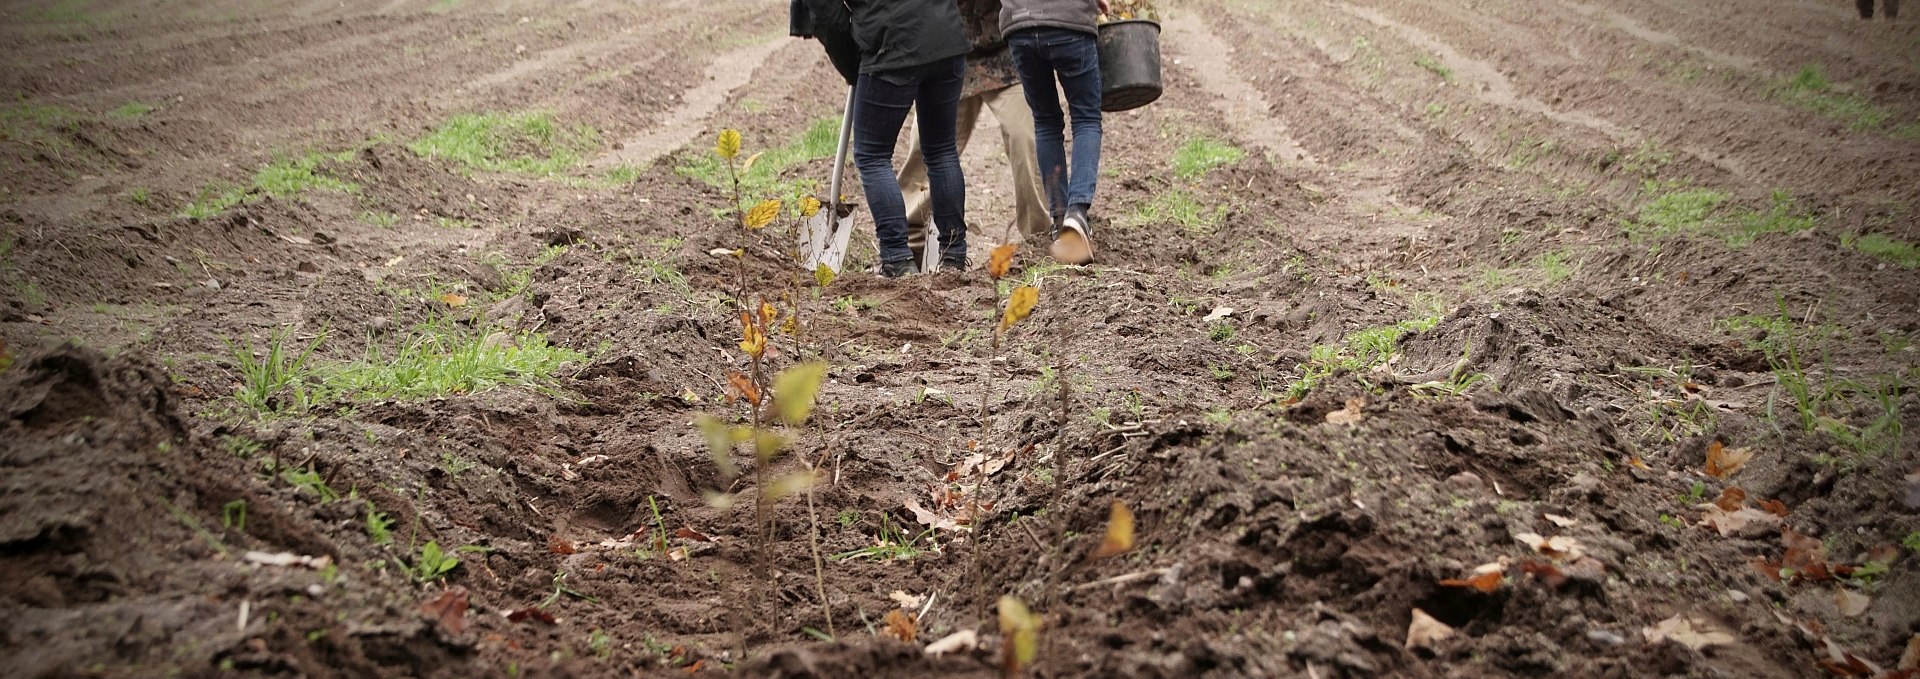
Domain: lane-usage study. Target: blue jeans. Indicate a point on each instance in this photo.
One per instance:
(881, 103)
(1039, 54)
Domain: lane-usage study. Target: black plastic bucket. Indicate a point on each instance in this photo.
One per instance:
(1129, 64)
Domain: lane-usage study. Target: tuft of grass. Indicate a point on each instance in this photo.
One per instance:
(1783, 215)
(526, 143)
(1554, 266)
(277, 380)
(1178, 207)
(1884, 248)
(384, 220)
(1810, 89)
(891, 544)
(1676, 212)
(280, 179)
(1202, 154)
(39, 126)
(1432, 64)
(131, 109)
(763, 178)
(140, 195)
(439, 360)
(1360, 351)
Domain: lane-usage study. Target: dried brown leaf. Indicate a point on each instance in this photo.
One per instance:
(560, 545)
(1001, 260)
(688, 533)
(899, 625)
(449, 609)
(1119, 537)
(1692, 633)
(1723, 462)
(1349, 415)
(1745, 522)
(1731, 499)
(1425, 631)
(1484, 583)
(1851, 603)
(1774, 507)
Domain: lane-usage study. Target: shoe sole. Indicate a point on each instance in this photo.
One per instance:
(1072, 247)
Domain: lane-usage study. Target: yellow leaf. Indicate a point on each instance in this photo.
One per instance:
(748, 165)
(719, 442)
(753, 341)
(791, 326)
(823, 275)
(1119, 539)
(1022, 630)
(453, 300)
(1019, 305)
(809, 206)
(729, 144)
(767, 444)
(767, 313)
(1722, 461)
(795, 389)
(1001, 260)
(763, 214)
(781, 487)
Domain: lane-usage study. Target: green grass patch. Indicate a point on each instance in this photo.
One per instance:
(441, 359)
(1885, 248)
(1810, 89)
(1783, 215)
(132, 109)
(1358, 352)
(1178, 207)
(39, 126)
(1697, 211)
(525, 143)
(1194, 159)
(1676, 212)
(1434, 65)
(763, 179)
(280, 179)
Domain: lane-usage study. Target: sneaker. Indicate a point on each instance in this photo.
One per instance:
(953, 263)
(905, 267)
(1071, 245)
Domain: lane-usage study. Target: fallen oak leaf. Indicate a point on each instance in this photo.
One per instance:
(1561, 521)
(1559, 547)
(930, 519)
(688, 533)
(1349, 415)
(1425, 631)
(449, 609)
(560, 545)
(899, 625)
(1731, 499)
(1485, 583)
(1851, 603)
(1774, 507)
(1910, 660)
(1692, 633)
(1546, 573)
(1722, 461)
(1119, 537)
(1744, 522)
(911, 602)
(453, 300)
(958, 642)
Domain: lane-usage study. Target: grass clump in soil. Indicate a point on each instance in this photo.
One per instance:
(1689, 211)
(526, 143)
(439, 360)
(1202, 154)
(131, 109)
(1179, 207)
(1885, 248)
(1810, 89)
(279, 179)
(1359, 352)
(762, 177)
(39, 126)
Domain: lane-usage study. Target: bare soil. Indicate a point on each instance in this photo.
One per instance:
(1498, 169)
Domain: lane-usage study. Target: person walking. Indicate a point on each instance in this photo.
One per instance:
(1058, 40)
(990, 83)
(912, 58)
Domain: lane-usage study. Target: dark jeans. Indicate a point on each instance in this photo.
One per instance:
(881, 103)
(1866, 8)
(1039, 54)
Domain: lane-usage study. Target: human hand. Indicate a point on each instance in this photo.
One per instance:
(1104, 7)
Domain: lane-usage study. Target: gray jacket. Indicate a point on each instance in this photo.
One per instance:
(1073, 15)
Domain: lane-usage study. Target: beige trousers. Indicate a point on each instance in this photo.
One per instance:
(1009, 107)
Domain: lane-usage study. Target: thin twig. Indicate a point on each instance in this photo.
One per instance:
(1122, 579)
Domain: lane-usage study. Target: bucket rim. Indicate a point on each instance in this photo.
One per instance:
(1120, 22)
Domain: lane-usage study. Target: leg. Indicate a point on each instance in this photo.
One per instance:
(1078, 62)
(913, 175)
(1016, 132)
(938, 105)
(880, 105)
(1892, 8)
(1865, 7)
(1031, 62)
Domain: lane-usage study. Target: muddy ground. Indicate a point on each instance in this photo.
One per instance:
(1386, 289)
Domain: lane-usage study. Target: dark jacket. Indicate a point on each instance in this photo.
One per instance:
(1076, 15)
(893, 34)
